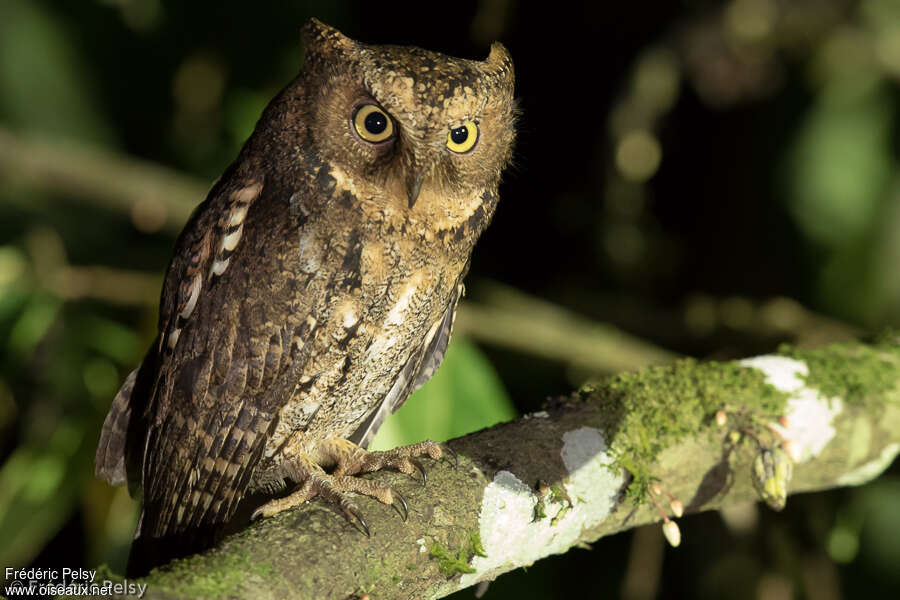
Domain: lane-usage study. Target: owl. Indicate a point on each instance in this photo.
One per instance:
(314, 289)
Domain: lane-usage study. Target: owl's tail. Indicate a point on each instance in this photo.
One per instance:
(149, 552)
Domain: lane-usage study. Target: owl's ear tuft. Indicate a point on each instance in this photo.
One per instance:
(321, 39)
(500, 62)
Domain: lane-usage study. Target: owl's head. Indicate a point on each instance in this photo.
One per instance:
(406, 123)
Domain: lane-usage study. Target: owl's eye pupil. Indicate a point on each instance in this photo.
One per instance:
(376, 122)
(462, 139)
(459, 135)
(372, 124)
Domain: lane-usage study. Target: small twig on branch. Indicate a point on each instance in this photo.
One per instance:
(554, 480)
(105, 178)
(512, 319)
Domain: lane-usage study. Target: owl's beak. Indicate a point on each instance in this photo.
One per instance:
(413, 185)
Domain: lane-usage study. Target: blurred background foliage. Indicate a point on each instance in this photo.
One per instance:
(712, 178)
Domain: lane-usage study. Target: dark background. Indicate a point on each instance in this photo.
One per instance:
(715, 178)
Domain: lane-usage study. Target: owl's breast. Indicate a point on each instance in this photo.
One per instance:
(379, 297)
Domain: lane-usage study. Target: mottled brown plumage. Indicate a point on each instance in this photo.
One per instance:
(314, 290)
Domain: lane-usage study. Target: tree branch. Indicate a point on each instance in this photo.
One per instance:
(557, 479)
(104, 178)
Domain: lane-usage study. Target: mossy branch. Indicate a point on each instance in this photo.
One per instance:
(591, 465)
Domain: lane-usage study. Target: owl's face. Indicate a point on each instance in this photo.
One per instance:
(406, 124)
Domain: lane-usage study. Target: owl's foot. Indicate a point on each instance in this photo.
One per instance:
(350, 460)
(333, 490)
(353, 460)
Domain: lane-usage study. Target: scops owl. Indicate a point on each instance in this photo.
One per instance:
(315, 288)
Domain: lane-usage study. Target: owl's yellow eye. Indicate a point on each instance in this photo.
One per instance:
(372, 124)
(462, 139)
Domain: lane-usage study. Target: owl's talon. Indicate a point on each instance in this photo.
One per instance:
(421, 469)
(446, 448)
(355, 517)
(404, 514)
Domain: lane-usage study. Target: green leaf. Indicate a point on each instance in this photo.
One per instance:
(33, 323)
(841, 167)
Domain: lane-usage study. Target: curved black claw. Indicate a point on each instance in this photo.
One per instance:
(451, 452)
(404, 514)
(421, 469)
(353, 513)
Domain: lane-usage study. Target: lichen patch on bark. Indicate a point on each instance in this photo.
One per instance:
(511, 534)
(591, 481)
(810, 414)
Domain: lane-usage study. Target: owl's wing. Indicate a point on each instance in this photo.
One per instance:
(229, 351)
(421, 365)
(109, 463)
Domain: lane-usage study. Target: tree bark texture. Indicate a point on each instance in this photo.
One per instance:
(584, 468)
